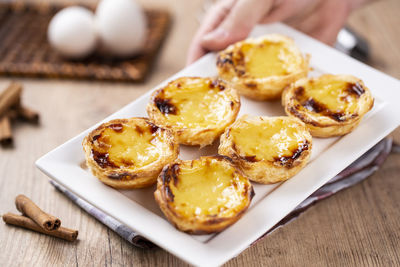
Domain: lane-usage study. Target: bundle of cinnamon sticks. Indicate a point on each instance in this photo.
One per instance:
(35, 219)
(11, 109)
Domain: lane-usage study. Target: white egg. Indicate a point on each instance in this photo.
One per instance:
(72, 32)
(121, 26)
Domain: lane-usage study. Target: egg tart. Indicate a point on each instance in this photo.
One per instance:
(330, 105)
(261, 68)
(196, 109)
(203, 196)
(267, 149)
(129, 153)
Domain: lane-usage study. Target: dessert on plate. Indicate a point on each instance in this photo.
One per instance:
(203, 196)
(330, 105)
(196, 109)
(267, 149)
(129, 153)
(260, 68)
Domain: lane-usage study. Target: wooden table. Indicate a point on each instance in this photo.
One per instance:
(359, 226)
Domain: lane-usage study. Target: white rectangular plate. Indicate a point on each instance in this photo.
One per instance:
(138, 210)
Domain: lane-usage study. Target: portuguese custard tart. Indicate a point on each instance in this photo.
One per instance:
(267, 149)
(203, 196)
(261, 68)
(129, 153)
(330, 105)
(196, 109)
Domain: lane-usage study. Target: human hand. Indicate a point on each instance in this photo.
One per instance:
(229, 21)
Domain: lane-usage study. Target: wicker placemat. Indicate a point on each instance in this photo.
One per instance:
(24, 50)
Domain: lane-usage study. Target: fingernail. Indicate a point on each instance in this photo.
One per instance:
(217, 34)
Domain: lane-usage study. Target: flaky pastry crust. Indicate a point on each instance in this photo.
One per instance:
(107, 152)
(234, 66)
(196, 109)
(322, 115)
(267, 149)
(203, 196)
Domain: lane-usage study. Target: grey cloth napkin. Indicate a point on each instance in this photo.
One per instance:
(353, 174)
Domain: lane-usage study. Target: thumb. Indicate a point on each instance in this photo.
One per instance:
(237, 25)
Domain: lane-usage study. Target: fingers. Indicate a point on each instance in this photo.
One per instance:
(286, 9)
(228, 22)
(237, 24)
(212, 20)
(327, 24)
(232, 20)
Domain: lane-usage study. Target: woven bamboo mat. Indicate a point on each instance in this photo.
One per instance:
(24, 50)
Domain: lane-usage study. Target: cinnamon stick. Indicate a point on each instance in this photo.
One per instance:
(10, 97)
(6, 138)
(25, 222)
(28, 115)
(12, 114)
(27, 207)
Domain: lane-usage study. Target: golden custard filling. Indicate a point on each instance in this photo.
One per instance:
(269, 59)
(194, 103)
(272, 140)
(329, 97)
(209, 187)
(126, 146)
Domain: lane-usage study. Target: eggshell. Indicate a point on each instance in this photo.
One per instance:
(72, 32)
(121, 26)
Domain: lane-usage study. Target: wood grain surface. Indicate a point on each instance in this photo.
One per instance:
(357, 227)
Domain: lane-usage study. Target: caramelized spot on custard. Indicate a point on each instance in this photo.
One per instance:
(165, 106)
(139, 129)
(314, 106)
(171, 172)
(240, 72)
(251, 85)
(317, 107)
(223, 157)
(295, 111)
(239, 61)
(167, 174)
(95, 137)
(337, 116)
(117, 127)
(169, 193)
(299, 91)
(245, 192)
(250, 158)
(240, 58)
(328, 97)
(121, 176)
(125, 146)
(256, 140)
(288, 161)
(153, 128)
(217, 83)
(222, 60)
(235, 185)
(174, 172)
(102, 159)
(355, 89)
